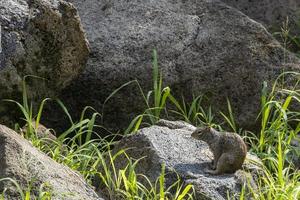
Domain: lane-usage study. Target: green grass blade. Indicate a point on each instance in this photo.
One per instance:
(39, 115)
(60, 103)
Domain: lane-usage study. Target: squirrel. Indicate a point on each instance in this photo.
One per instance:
(228, 148)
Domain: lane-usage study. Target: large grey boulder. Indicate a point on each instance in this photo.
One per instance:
(204, 46)
(25, 164)
(42, 38)
(271, 13)
(171, 143)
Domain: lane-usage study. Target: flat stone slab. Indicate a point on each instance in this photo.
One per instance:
(171, 143)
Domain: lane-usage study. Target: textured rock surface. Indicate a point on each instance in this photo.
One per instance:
(272, 13)
(174, 146)
(21, 161)
(203, 47)
(42, 38)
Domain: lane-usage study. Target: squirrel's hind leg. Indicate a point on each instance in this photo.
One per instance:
(223, 165)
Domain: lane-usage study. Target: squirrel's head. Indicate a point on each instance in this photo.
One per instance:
(202, 133)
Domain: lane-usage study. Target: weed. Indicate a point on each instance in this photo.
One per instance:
(44, 193)
(291, 41)
(280, 124)
(155, 100)
(93, 158)
(126, 184)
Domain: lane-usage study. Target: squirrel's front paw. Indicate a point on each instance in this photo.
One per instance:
(209, 171)
(212, 165)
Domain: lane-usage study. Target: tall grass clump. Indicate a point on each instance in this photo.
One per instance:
(155, 100)
(290, 39)
(126, 184)
(83, 150)
(280, 124)
(280, 116)
(27, 193)
(74, 147)
(27, 111)
(194, 113)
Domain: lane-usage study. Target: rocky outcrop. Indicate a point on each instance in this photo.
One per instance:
(171, 143)
(204, 47)
(27, 165)
(271, 13)
(42, 38)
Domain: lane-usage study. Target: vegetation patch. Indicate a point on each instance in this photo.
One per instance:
(82, 149)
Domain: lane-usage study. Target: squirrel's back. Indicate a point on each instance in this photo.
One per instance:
(234, 145)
